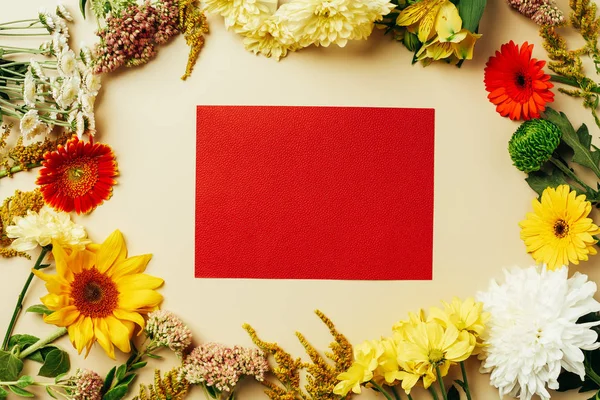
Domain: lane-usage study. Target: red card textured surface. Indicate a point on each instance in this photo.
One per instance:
(314, 193)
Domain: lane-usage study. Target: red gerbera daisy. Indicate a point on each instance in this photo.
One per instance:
(517, 83)
(78, 176)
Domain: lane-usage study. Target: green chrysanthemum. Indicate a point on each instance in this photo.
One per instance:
(533, 144)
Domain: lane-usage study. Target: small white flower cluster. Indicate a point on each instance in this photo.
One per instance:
(67, 95)
(274, 32)
(43, 227)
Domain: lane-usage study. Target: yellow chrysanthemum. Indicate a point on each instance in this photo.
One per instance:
(366, 357)
(559, 231)
(99, 294)
(429, 345)
(467, 316)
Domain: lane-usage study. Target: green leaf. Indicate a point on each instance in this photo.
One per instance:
(10, 367)
(82, 4)
(584, 153)
(41, 354)
(128, 379)
(3, 393)
(25, 381)
(116, 393)
(138, 365)
(40, 309)
(108, 380)
(59, 377)
(461, 384)
(540, 180)
(121, 371)
(56, 363)
(154, 356)
(23, 341)
(50, 392)
(212, 391)
(20, 392)
(453, 393)
(471, 12)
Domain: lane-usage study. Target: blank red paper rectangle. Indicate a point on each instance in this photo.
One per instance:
(314, 193)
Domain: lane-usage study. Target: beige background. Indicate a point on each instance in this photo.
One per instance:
(148, 116)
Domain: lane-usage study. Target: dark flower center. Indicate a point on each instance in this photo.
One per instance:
(561, 228)
(94, 293)
(520, 80)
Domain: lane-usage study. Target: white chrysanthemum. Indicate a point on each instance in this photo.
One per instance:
(59, 42)
(86, 54)
(67, 63)
(29, 123)
(46, 19)
(87, 101)
(63, 13)
(37, 69)
(335, 21)
(69, 91)
(238, 13)
(92, 82)
(533, 330)
(41, 129)
(41, 228)
(79, 125)
(29, 90)
(268, 38)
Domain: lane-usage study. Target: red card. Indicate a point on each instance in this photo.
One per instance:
(314, 193)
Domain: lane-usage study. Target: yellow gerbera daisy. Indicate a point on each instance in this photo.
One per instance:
(99, 294)
(559, 231)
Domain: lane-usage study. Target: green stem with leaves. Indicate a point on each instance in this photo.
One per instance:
(8, 172)
(60, 332)
(19, 306)
(381, 390)
(441, 382)
(567, 171)
(465, 380)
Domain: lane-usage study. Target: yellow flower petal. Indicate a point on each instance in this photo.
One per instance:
(138, 282)
(118, 334)
(448, 22)
(129, 316)
(136, 299)
(131, 265)
(63, 317)
(111, 251)
(101, 334)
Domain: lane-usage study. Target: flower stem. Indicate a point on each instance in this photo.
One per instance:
(465, 380)
(396, 394)
(570, 81)
(572, 175)
(19, 306)
(8, 172)
(590, 373)
(409, 396)
(19, 21)
(441, 382)
(433, 393)
(60, 332)
(381, 390)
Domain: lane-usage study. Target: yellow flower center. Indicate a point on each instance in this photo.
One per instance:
(561, 228)
(94, 293)
(79, 176)
(435, 356)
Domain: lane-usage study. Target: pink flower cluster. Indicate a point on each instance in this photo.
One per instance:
(86, 385)
(131, 38)
(166, 329)
(542, 12)
(219, 366)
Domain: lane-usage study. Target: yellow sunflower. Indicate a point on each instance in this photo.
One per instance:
(559, 231)
(100, 295)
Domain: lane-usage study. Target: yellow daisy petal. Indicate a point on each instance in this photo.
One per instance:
(111, 251)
